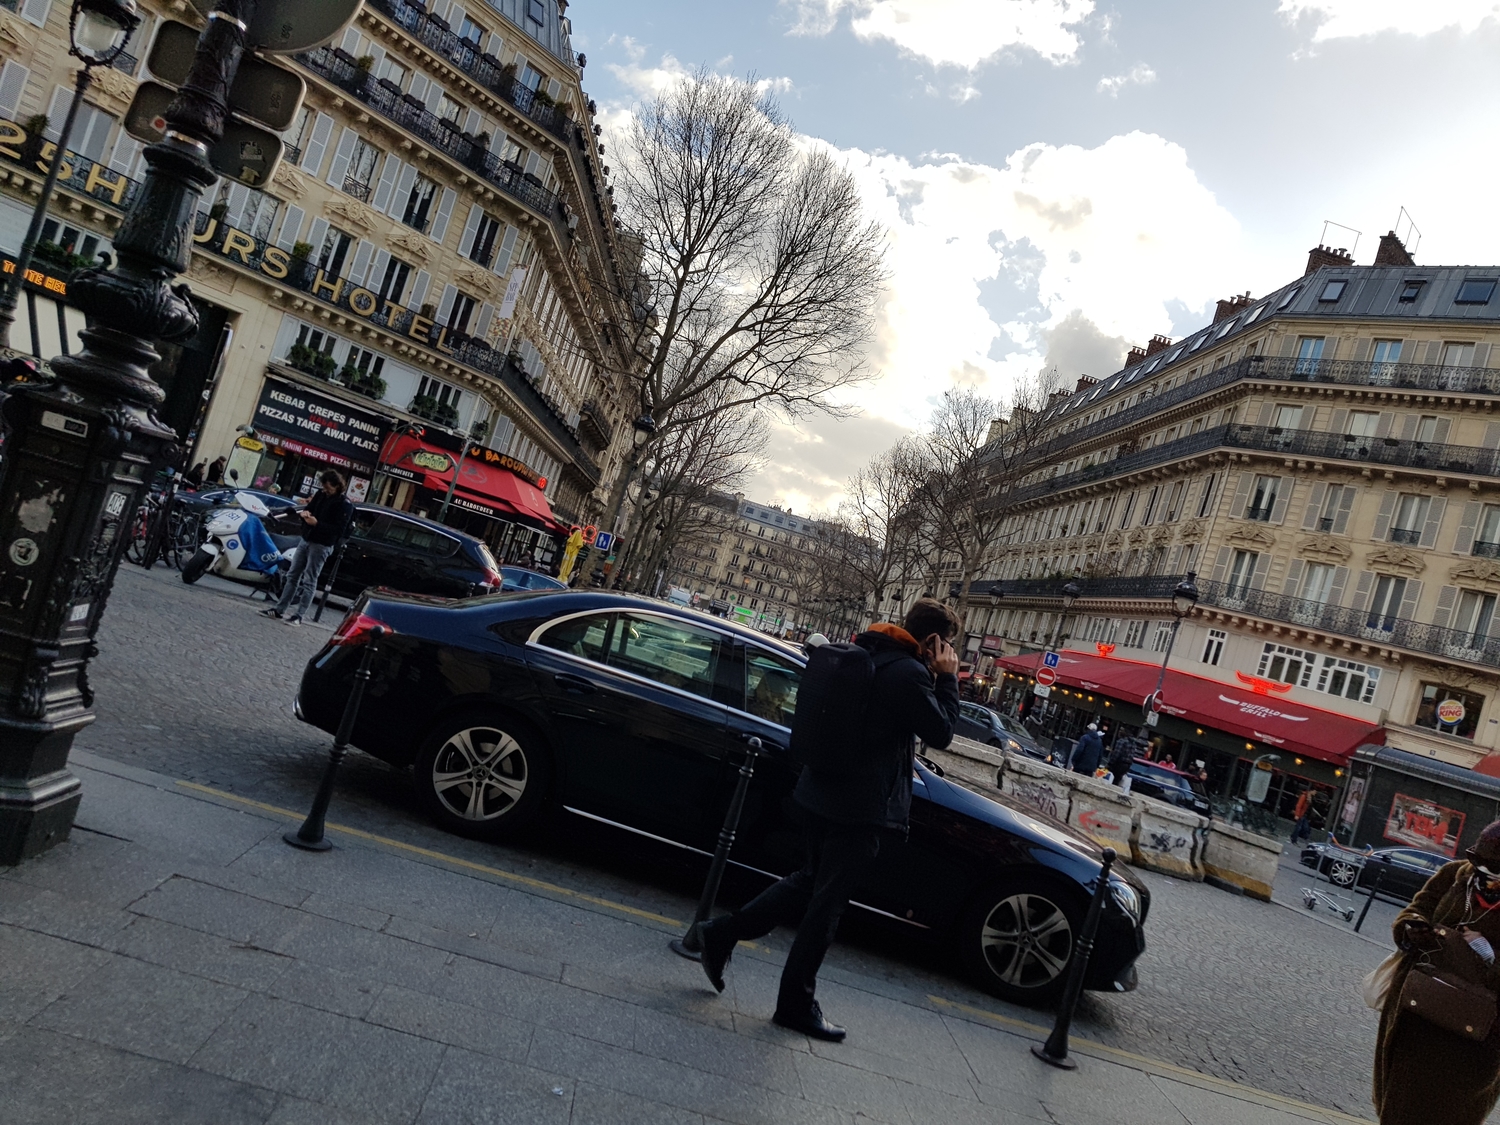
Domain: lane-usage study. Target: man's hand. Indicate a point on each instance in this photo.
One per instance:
(308, 518)
(940, 656)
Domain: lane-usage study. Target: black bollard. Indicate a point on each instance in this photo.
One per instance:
(310, 836)
(1374, 890)
(1054, 1052)
(688, 944)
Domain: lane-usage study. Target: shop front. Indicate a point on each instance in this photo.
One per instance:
(297, 433)
(1226, 727)
(497, 498)
(1393, 798)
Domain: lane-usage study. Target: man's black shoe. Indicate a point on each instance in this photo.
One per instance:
(812, 1023)
(714, 956)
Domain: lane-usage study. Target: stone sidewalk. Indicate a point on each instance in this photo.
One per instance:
(176, 962)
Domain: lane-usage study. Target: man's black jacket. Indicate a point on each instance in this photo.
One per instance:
(905, 704)
(333, 514)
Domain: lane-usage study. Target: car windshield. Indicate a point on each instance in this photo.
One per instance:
(487, 559)
(1010, 726)
(1170, 778)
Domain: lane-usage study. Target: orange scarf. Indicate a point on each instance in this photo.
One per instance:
(899, 635)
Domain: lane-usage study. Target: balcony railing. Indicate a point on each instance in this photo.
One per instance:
(1410, 536)
(495, 76)
(385, 97)
(1487, 550)
(356, 188)
(1415, 376)
(1310, 444)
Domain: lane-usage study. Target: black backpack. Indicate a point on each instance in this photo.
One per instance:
(828, 727)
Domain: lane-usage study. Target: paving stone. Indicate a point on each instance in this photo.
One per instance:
(45, 911)
(474, 947)
(317, 986)
(300, 1111)
(361, 952)
(327, 906)
(594, 1105)
(143, 1008)
(716, 1051)
(214, 910)
(541, 1002)
(472, 1029)
(474, 1089)
(35, 969)
(204, 955)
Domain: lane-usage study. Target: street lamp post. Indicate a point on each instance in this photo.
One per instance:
(82, 450)
(645, 429)
(1070, 594)
(98, 31)
(1184, 598)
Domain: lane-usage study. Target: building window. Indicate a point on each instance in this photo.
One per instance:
(485, 236)
(1206, 500)
(444, 393)
(1487, 544)
(1150, 508)
(1475, 291)
(295, 139)
(1338, 501)
(1317, 583)
(1309, 354)
(365, 361)
(1410, 291)
(1174, 499)
(470, 31)
(1262, 498)
(1163, 636)
(536, 12)
(1213, 648)
(1287, 665)
(1385, 607)
(1458, 355)
(312, 338)
(1411, 514)
(1333, 290)
(418, 207)
(1348, 680)
(1474, 617)
(1363, 423)
(1449, 710)
(361, 171)
(1386, 355)
(1135, 634)
(393, 282)
(334, 250)
(1242, 573)
(463, 311)
(1288, 418)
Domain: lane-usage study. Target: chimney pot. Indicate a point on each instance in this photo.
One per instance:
(1320, 256)
(1158, 343)
(1134, 355)
(1392, 252)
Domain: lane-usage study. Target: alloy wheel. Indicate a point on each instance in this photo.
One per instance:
(1027, 940)
(479, 773)
(1342, 872)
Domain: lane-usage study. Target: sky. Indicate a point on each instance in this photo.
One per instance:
(1062, 179)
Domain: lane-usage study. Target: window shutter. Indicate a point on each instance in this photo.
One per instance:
(350, 41)
(387, 184)
(507, 247)
(342, 156)
(1433, 523)
(1434, 352)
(376, 273)
(1221, 564)
(1383, 517)
(419, 290)
(361, 264)
(1293, 577)
(1262, 571)
(1265, 414)
(35, 11)
(1447, 599)
(1492, 436)
(471, 226)
(291, 227)
(444, 213)
(404, 181)
(418, 87)
(127, 151)
(1288, 346)
(434, 95)
(1346, 505)
(1409, 426)
(1440, 435)
(1383, 426)
(315, 236)
(1362, 590)
(1361, 349)
(376, 52)
(1482, 355)
(472, 120)
(1314, 506)
(482, 325)
(317, 144)
(1463, 540)
(13, 77)
(1241, 497)
(1284, 488)
(1336, 591)
(445, 303)
(1409, 601)
(1340, 421)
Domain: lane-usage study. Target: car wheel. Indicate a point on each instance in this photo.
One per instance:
(483, 776)
(1342, 872)
(196, 566)
(1016, 940)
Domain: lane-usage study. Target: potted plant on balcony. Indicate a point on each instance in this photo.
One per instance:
(423, 406)
(349, 374)
(323, 365)
(300, 356)
(301, 251)
(362, 67)
(371, 386)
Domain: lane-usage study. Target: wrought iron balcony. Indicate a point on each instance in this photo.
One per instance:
(1411, 536)
(1486, 550)
(356, 188)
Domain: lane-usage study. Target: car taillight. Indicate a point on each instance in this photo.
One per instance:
(492, 578)
(356, 628)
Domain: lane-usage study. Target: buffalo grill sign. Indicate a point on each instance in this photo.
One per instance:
(352, 436)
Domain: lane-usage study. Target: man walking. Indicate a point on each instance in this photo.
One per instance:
(849, 814)
(1088, 752)
(1302, 814)
(325, 519)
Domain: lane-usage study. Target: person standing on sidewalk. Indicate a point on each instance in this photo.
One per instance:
(848, 815)
(325, 520)
(1088, 752)
(1301, 813)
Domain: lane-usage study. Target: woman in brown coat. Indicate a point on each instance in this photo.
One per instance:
(1425, 1075)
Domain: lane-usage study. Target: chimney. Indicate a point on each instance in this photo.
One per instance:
(1084, 383)
(1230, 307)
(1391, 251)
(1134, 355)
(1058, 396)
(1157, 344)
(1320, 256)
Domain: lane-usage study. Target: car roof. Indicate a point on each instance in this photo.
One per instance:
(453, 531)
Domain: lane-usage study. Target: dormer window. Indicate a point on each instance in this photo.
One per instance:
(1333, 290)
(1475, 291)
(1410, 291)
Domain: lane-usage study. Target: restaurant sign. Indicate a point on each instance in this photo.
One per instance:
(323, 422)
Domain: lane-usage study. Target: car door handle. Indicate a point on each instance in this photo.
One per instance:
(574, 684)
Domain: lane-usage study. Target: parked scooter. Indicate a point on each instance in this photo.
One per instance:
(239, 547)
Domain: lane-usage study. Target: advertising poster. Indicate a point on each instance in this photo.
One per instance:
(1419, 823)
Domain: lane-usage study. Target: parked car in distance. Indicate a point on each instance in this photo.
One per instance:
(983, 725)
(1168, 783)
(519, 578)
(1404, 869)
(635, 713)
(210, 498)
(414, 555)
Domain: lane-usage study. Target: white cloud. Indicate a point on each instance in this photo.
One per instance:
(1138, 75)
(953, 32)
(1346, 19)
(646, 81)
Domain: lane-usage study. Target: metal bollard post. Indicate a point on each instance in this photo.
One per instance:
(1054, 1052)
(310, 836)
(688, 945)
(1374, 890)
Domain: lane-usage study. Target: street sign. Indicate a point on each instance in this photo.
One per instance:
(1041, 691)
(246, 153)
(604, 540)
(1046, 677)
(263, 91)
(284, 26)
(1051, 659)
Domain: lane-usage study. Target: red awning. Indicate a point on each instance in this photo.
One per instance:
(1233, 708)
(488, 486)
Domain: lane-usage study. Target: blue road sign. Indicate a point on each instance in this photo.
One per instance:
(1050, 659)
(604, 540)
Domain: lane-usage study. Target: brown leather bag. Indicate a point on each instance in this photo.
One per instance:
(1446, 999)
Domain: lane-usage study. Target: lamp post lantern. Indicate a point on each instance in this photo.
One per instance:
(98, 31)
(1184, 598)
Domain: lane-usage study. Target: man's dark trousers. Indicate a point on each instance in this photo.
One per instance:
(837, 855)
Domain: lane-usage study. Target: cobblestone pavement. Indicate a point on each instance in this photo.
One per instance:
(193, 684)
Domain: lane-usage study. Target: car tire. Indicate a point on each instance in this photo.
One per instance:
(1016, 939)
(506, 757)
(197, 566)
(1342, 872)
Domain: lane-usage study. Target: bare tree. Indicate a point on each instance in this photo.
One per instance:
(761, 267)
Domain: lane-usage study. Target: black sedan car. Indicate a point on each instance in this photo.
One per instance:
(520, 578)
(636, 713)
(1167, 783)
(1403, 870)
(983, 725)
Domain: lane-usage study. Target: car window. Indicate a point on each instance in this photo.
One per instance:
(771, 686)
(367, 524)
(669, 652)
(487, 559)
(582, 636)
(418, 537)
